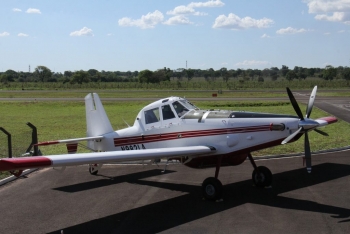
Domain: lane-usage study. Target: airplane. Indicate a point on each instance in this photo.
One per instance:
(174, 129)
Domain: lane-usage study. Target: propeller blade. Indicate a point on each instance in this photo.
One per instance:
(321, 132)
(311, 102)
(291, 136)
(294, 104)
(307, 153)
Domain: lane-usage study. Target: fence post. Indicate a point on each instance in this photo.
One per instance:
(34, 139)
(9, 141)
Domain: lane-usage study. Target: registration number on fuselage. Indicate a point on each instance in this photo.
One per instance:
(133, 147)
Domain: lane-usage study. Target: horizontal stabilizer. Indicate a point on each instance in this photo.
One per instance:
(67, 141)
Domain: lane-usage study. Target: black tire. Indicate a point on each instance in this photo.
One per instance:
(212, 189)
(91, 172)
(262, 177)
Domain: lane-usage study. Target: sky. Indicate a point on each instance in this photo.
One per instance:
(134, 35)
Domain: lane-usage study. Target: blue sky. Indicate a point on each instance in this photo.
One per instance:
(115, 35)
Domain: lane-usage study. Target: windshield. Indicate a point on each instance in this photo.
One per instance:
(187, 104)
(182, 107)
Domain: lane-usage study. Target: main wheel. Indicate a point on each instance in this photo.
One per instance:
(262, 177)
(212, 189)
(91, 170)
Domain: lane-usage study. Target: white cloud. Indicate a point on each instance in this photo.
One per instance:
(4, 34)
(82, 32)
(334, 11)
(317, 6)
(178, 19)
(233, 21)
(16, 10)
(22, 35)
(146, 21)
(252, 63)
(335, 17)
(341, 31)
(327, 33)
(33, 11)
(290, 30)
(211, 3)
(109, 34)
(189, 9)
(265, 36)
(185, 10)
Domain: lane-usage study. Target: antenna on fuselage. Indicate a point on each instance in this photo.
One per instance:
(126, 122)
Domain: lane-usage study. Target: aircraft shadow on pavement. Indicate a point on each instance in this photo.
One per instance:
(109, 180)
(183, 209)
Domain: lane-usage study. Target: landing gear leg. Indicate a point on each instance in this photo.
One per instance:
(212, 187)
(262, 176)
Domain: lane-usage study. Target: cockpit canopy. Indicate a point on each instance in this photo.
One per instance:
(166, 111)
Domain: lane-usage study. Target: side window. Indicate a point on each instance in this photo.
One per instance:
(167, 112)
(152, 116)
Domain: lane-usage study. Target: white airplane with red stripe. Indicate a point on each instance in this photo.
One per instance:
(175, 129)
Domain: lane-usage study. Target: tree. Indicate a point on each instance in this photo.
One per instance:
(346, 73)
(4, 78)
(80, 77)
(206, 76)
(145, 76)
(225, 74)
(92, 72)
(284, 70)
(291, 75)
(68, 73)
(11, 75)
(189, 74)
(329, 72)
(43, 73)
(273, 75)
(250, 73)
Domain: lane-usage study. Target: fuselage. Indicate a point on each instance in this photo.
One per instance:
(232, 133)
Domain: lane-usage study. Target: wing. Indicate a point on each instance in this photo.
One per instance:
(12, 164)
(326, 120)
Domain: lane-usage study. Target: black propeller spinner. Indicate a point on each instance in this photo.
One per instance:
(305, 124)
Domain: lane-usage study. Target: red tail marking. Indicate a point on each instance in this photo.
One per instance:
(48, 143)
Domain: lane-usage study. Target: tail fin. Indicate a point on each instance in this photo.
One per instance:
(97, 122)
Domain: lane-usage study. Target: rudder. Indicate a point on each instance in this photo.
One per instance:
(97, 122)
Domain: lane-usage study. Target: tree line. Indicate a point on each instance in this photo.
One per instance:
(44, 74)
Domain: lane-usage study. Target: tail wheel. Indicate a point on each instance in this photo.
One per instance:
(262, 177)
(212, 189)
(93, 169)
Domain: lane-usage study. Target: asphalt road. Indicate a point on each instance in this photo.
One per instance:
(137, 199)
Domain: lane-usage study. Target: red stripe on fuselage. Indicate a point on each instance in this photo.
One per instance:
(186, 134)
(10, 164)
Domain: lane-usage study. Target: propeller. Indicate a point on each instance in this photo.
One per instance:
(305, 124)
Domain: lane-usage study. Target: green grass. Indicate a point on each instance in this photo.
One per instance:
(62, 120)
